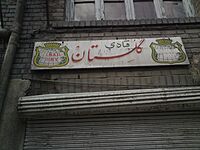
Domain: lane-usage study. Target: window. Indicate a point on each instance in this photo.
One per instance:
(84, 9)
(144, 9)
(114, 10)
(127, 9)
(174, 9)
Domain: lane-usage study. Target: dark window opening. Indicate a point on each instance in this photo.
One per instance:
(144, 9)
(114, 10)
(84, 10)
(174, 9)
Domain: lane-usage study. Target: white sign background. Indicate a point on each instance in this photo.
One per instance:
(109, 53)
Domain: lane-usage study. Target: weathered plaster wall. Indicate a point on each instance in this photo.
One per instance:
(11, 126)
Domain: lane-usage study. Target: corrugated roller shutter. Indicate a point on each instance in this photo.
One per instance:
(116, 132)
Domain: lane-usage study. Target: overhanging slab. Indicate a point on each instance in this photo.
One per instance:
(140, 100)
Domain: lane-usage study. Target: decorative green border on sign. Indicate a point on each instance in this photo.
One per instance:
(49, 46)
(167, 42)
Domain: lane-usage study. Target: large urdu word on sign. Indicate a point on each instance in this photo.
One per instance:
(109, 53)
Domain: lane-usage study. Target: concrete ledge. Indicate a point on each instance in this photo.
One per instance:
(142, 100)
(127, 23)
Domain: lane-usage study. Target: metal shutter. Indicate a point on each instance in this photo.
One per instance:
(116, 132)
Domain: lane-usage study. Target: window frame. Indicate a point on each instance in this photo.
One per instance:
(129, 9)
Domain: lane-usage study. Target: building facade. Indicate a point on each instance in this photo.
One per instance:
(106, 105)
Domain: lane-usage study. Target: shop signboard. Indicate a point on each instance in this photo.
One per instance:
(109, 53)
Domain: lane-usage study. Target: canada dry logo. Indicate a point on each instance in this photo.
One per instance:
(51, 55)
(164, 51)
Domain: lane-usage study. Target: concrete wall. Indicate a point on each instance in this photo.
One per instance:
(11, 126)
